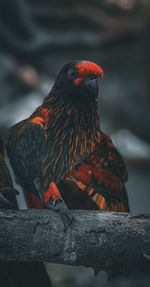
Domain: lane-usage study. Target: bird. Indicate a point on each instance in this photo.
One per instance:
(60, 155)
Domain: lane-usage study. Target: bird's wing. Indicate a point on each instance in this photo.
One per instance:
(26, 147)
(99, 182)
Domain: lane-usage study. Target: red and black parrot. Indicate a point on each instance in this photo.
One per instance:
(60, 152)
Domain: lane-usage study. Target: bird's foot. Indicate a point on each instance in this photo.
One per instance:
(59, 206)
(54, 201)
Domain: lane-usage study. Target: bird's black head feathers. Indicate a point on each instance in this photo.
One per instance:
(76, 85)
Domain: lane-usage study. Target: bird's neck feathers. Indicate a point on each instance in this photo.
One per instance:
(75, 125)
(72, 134)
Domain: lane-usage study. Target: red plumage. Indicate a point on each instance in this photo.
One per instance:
(101, 177)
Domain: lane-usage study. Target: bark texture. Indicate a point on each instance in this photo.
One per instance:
(115, 242)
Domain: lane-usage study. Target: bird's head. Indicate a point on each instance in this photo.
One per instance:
(78, 83)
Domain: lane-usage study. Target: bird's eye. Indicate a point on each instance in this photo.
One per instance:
(71, 73)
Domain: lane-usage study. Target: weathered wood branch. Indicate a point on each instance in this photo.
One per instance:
(103, 240)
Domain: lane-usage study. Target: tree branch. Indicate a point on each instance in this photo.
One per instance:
(103, 240)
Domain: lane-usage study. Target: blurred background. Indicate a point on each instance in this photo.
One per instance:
(37, 37)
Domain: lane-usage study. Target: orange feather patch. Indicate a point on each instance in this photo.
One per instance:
(38, 121)
(46, 115)
(51, 193)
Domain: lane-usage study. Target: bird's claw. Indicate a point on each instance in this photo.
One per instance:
(59, 206)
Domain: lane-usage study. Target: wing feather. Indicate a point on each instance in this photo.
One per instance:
(26, 147)
(100, 178)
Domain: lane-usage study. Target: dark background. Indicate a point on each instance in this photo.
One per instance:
(37, 37)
